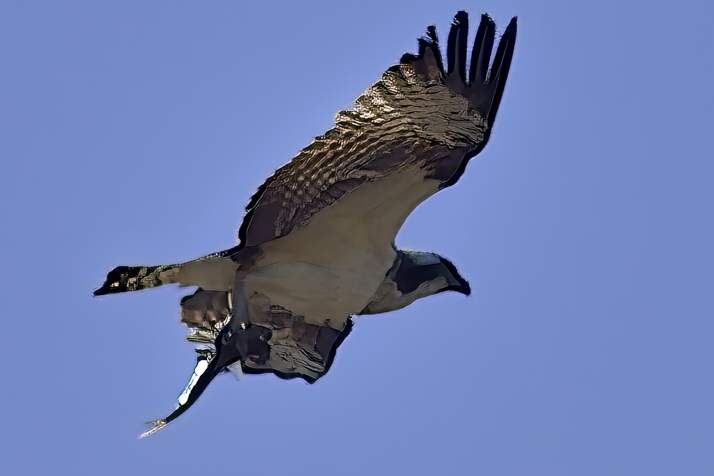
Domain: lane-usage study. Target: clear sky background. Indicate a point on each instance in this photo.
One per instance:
(134, 132)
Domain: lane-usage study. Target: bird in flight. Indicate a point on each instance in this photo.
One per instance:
(316, 245)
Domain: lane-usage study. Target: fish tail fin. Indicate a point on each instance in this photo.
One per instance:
(153, 427)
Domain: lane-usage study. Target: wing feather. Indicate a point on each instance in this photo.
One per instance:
(296, 348)
(417, 114)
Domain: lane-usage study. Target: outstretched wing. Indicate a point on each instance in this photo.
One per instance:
(295, 348)
(205, 313)
(416, 115)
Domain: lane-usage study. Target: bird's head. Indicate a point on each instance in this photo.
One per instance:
(416, 274)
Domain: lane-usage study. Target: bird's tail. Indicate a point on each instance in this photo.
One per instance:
(133, 278)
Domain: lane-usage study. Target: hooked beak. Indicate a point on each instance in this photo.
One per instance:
(456, 281)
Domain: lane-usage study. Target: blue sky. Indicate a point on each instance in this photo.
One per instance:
(134, 132)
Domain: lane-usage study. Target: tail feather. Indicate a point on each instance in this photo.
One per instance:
(133, 278)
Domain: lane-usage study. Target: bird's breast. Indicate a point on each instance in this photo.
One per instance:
(331, 267)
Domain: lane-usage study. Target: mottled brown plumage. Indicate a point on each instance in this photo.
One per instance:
(316, 245)
(415, 115)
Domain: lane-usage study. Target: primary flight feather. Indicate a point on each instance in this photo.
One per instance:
(316, 245)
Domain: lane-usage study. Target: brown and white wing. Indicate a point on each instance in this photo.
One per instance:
(295, 348)
(417, 116)
(205, 313)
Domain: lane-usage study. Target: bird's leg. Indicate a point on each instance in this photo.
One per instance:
(250, 341)
(240, 320)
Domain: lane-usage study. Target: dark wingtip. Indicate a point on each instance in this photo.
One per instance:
(486, 20)
(431, 33)
(485, 80)
(481, 51)
(511, 29)
(501, 66)
(487, 83)
(456, 46)
(333, 352)
(430, 42)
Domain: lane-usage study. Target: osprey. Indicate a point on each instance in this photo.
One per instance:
(316, 245)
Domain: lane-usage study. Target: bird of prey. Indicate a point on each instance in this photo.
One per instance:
(316, 245)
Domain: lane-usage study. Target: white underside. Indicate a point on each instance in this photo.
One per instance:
(332, 267)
